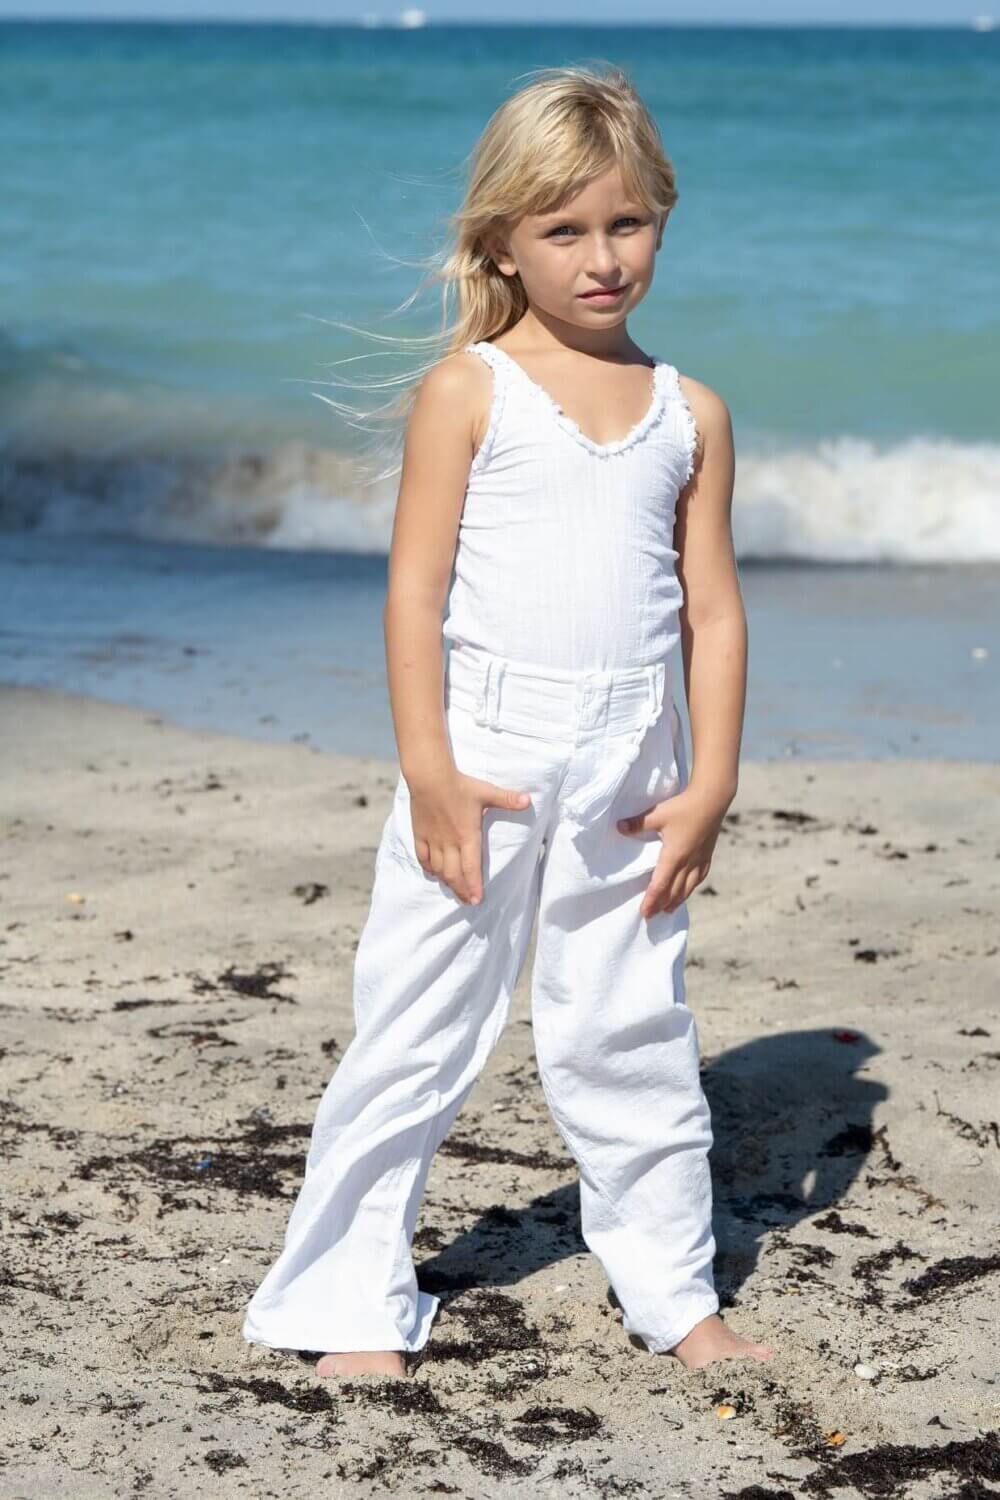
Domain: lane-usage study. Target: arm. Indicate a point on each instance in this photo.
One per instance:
(713, 622)
(714, 646)
(446, 807)
(440, 442)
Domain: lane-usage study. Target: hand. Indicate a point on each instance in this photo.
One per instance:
(688, 824)
(447, 819)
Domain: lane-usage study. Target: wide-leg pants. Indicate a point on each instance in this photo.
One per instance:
(616, 1044)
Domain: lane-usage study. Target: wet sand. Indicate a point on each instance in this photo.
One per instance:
(179, 913)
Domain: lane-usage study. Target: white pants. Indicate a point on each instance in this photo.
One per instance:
(616, 1044)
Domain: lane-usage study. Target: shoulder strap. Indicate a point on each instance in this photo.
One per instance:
(493, 357)
(688, 426)
(498, 365)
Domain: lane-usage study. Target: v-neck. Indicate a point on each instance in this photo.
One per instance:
(617, 445)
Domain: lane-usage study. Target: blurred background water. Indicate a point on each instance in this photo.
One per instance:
(189, 209)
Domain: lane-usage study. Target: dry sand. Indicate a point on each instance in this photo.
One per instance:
(180, 912)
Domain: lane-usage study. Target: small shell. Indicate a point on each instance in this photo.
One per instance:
(835, 1438)
(865, 1372)
(725, 1411)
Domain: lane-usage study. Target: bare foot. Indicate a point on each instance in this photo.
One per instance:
(365, 1362)
(710, 1340)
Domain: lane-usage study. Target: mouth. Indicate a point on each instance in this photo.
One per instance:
(605, 294)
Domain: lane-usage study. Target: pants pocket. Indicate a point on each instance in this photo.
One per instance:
(613, 858)
(656, 775)
(475, 749)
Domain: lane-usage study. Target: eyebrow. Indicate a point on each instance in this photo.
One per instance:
(628, 208)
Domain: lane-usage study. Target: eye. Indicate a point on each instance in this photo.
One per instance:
(556, 233)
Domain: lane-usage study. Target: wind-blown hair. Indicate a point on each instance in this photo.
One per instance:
(541, 147)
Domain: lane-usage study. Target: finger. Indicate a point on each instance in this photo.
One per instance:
(501, 796)
(677, 891)
(651, 896)
(658, 890)
(636, 824)
(670, 901)
(453, 872)
(472, 870)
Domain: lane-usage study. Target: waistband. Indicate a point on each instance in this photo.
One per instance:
(507, 693)
(525, 697)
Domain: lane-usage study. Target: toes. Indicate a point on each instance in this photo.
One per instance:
(334, 1364)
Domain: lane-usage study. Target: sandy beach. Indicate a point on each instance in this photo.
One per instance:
(180, 910)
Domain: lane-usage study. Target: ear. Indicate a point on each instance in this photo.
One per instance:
(499, 254)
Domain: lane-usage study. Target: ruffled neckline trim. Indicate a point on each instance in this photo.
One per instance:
(661, 370)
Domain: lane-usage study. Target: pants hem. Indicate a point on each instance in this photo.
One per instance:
(327, 1340)
(663, 1343)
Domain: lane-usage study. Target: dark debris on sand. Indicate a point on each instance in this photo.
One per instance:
(256, 984)
(498, 1324)
(248, 1163)
(219, 1460)
(311, 1399)
(757, 1492)
(834, 1224)
(469, 1150)
(401, 1396)
(545, 1425)
(885, 1472)
(493, 1322)
(14, 1122)
(869, 1269)
(946, 1276)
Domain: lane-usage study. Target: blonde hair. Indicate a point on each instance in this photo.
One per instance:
(542, 146)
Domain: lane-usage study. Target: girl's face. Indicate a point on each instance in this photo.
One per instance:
(599, 240)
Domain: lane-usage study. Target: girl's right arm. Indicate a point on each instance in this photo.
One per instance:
(438, 449)
(446, 424)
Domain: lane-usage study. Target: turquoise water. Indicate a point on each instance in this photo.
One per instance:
(188, 209)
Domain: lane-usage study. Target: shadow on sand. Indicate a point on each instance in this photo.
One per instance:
(792, 1119)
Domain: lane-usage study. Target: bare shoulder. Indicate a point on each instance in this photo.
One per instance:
(449, 377)
(710, 412)
(454, 394)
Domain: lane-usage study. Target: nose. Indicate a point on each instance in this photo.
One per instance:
(602, 259)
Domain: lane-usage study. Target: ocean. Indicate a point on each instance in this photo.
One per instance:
(203, 223)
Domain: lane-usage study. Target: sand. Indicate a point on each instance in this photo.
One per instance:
(179, 915)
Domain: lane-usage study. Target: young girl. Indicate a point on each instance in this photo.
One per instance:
(565, 501)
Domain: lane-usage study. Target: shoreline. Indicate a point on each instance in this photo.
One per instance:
(181, 909)
(846, 662)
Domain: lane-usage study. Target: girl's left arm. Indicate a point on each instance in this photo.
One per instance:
(713, 621)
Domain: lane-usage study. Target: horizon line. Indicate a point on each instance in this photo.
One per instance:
(390, 24)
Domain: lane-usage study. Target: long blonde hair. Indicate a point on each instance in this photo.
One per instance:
(538, 149)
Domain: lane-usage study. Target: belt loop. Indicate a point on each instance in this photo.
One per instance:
(488, 707)
(483, 701)
(657, 685)
(494, 707)
(581, 697)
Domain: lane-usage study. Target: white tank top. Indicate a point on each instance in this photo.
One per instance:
(565, 550)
